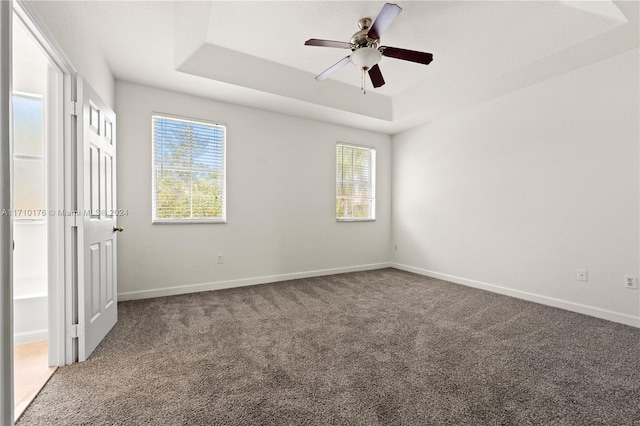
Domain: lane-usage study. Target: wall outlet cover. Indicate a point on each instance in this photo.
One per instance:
(582, 275)
(630, 281)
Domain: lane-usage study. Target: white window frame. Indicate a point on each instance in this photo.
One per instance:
(372, 218)
(155, 220)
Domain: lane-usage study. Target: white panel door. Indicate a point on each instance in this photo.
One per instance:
(97, 236)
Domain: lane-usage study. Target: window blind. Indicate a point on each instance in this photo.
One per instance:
(355, 182)
(189, 176)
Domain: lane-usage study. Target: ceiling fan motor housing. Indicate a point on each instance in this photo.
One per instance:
(361, 38)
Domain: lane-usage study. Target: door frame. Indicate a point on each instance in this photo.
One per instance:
(6, 237)
(60, 189)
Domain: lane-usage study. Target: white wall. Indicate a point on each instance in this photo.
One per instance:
(522, 191)
(280, 198)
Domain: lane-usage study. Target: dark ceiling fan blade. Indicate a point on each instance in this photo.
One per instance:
(387, 15)
(327, 43)
(333, 68)
(376, 76)
(407, 55)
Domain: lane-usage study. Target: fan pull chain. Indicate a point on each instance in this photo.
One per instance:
(363, 86)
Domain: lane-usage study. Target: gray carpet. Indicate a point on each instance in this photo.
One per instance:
(366, 348)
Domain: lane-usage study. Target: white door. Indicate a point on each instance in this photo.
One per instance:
(97, 228)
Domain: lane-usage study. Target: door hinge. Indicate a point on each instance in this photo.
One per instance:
(72, 107)
(74, 331)
(71, 218)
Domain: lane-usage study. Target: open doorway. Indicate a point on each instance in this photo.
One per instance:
(64, 262)
(37, 114)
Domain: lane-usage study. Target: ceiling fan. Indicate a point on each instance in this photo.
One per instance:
(365, 49)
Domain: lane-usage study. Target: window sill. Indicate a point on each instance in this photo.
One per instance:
(354, 220)
(187, 221)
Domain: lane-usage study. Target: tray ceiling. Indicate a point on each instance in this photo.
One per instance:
(253, 53)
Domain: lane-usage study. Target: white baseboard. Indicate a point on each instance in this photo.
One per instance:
(242, 282)
(30, 336)
(532, 297)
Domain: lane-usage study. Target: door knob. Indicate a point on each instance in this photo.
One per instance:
(118, 229)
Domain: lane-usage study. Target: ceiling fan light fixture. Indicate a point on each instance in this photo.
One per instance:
(365, 58)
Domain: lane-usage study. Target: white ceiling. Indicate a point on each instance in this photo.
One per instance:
(253, 53)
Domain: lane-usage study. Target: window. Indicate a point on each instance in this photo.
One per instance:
(189, 179)
(28, 156)
(355, 182)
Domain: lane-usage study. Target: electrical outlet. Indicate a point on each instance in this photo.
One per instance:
(630, 281)
(221, 258)
(582, 275)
